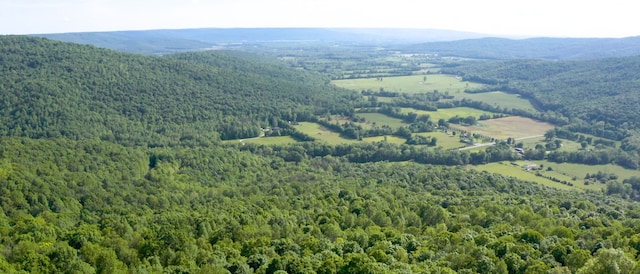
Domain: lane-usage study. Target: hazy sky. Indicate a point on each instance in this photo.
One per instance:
(564, 18)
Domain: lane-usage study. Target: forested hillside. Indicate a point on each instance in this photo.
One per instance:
(602, 90)
(52, 89)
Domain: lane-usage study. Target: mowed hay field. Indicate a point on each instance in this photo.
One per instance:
(514, 126)
(409, 84)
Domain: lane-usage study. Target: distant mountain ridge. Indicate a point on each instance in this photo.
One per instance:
(168, 41)
(533, 48)
(441, 42)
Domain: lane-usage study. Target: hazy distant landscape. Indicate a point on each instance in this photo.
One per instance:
(318, 150)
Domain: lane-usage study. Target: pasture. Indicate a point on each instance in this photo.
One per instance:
(409, 84)
(513, 126)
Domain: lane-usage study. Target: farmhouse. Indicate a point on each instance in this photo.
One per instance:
(531, 167)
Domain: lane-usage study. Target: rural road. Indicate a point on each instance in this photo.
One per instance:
(490, 144)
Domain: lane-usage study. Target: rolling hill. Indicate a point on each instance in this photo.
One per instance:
(52, 88)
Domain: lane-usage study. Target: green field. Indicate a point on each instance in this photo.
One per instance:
(380, 119)
(445, 140)
(446, 113)
(409, 84)
(503, 128)
(322, 134)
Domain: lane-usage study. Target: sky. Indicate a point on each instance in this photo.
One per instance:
(551, 18)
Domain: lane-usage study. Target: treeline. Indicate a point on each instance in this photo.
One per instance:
(384, 151)
(596, 157)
